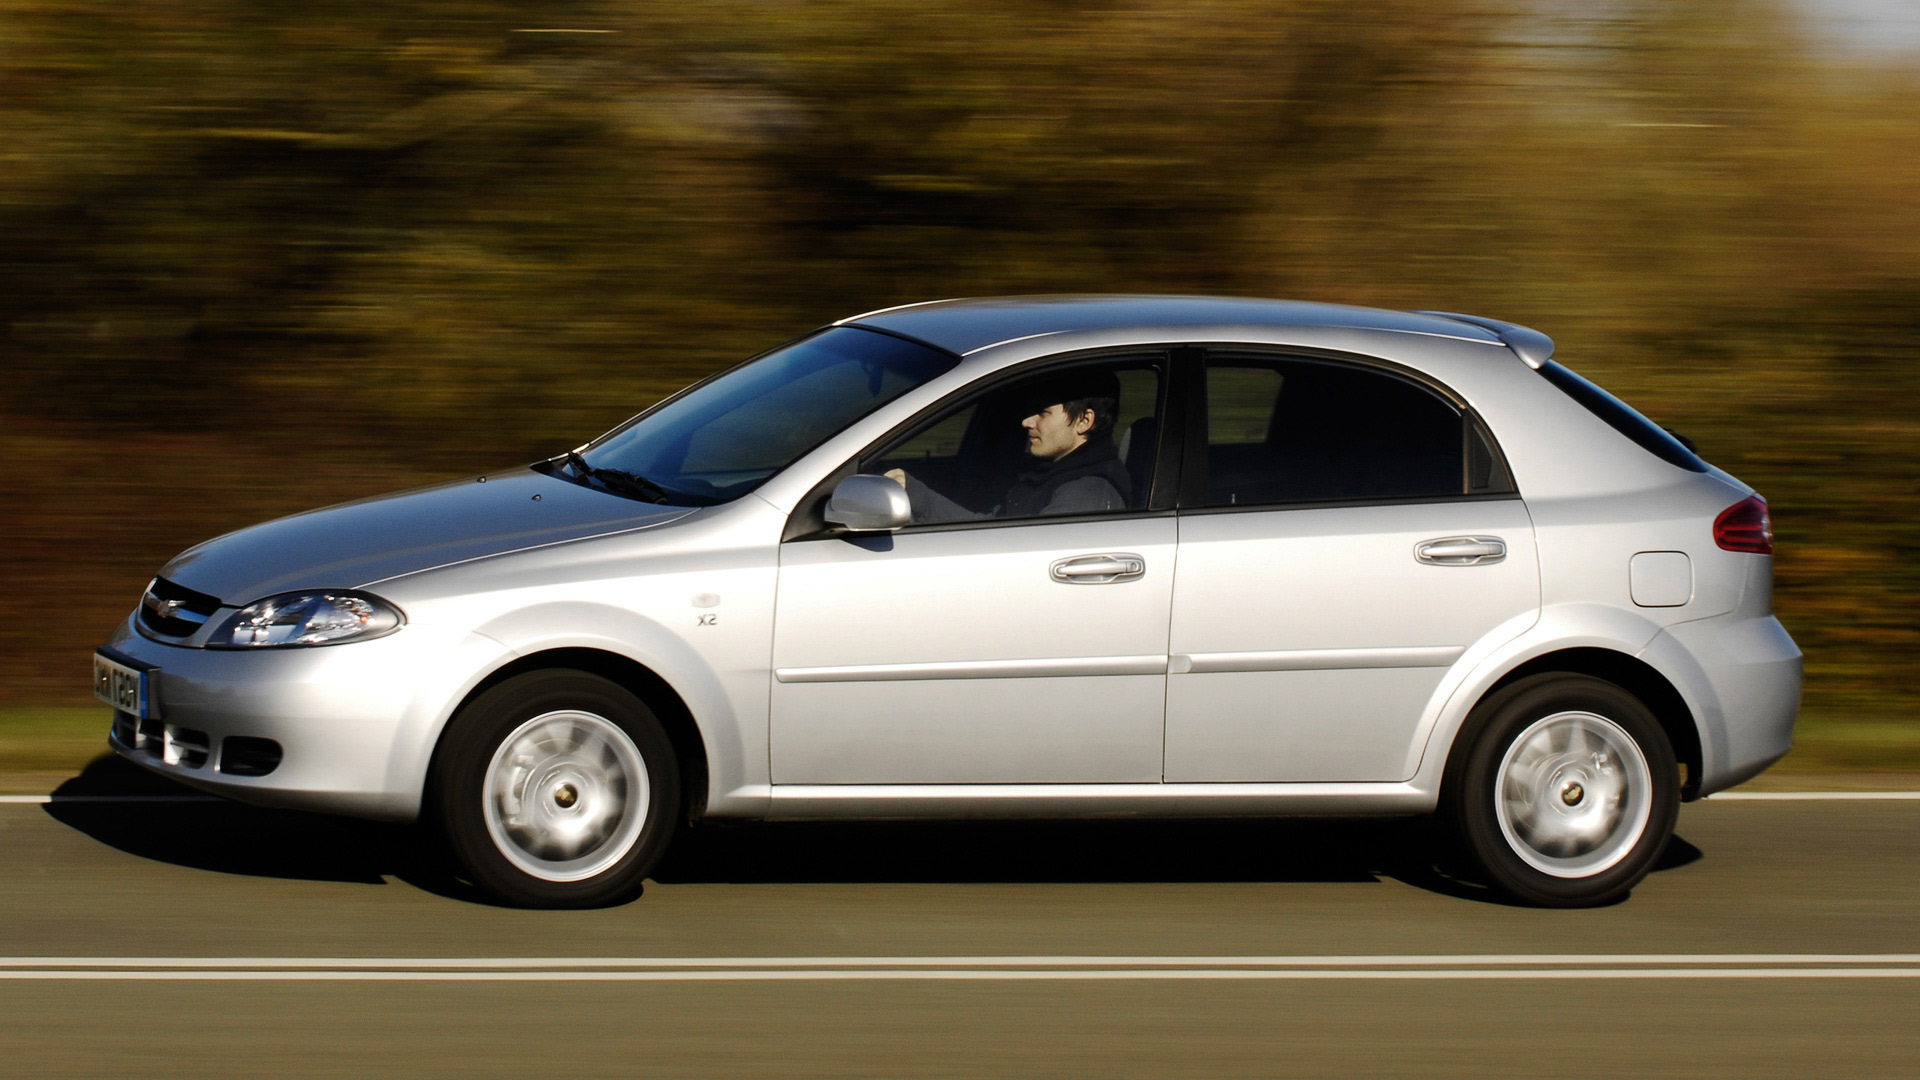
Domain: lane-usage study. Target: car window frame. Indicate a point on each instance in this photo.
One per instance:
(808, 520)
(1194, 455)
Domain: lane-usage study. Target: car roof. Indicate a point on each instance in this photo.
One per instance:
(966, 326)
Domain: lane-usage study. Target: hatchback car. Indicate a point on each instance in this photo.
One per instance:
(1027, 557)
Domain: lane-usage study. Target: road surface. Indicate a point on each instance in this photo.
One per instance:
(1781, 938)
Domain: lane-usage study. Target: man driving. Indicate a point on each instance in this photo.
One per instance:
(1073, 466)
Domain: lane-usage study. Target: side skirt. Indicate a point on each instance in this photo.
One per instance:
(793, 802)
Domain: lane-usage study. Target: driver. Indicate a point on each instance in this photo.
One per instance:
(1073, 467)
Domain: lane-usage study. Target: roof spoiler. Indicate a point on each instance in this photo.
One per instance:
(1527, 343)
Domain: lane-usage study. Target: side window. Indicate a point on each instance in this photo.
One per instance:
(941, 442)
(1078, 439)
(1301, 431)
(1240, 401)
(1623, 418)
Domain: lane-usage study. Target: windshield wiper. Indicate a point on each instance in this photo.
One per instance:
(619, 480)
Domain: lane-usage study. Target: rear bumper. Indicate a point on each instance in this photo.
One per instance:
(1741, 676)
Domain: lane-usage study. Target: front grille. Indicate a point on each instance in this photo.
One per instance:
(175, 610)
(184, 746)
(169, 744)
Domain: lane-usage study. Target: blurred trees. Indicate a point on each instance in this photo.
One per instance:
(362, 243)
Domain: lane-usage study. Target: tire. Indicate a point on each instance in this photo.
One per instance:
(1565, 790)
(556, 789)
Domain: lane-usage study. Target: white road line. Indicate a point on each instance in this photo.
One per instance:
(971, 974)
(1462, 966)
(42, 800)
(491, 963)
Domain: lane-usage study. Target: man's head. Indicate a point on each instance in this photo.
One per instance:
(1069, 411)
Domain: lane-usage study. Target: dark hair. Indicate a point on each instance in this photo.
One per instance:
(1103, 413)
(1076, 391)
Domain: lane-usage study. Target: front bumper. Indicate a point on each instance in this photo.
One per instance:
(354, 724)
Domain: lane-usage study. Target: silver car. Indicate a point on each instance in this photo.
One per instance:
(1029, 557)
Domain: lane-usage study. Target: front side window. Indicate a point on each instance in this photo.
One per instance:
(1283, 430)
(1078, 439)
(722, 439)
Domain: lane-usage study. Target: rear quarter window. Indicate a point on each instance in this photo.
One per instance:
(1622, 417)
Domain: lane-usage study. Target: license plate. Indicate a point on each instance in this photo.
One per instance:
(126, 688)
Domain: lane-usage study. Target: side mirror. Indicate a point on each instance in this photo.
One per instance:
(869, 504)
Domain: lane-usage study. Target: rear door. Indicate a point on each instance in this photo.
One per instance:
(1346, 533)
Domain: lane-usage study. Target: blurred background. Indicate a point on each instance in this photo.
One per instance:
(259, 257)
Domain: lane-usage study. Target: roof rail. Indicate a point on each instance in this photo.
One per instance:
(1527, 343)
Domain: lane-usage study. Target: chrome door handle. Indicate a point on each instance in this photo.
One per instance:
(1461, 551)
(1098, 569)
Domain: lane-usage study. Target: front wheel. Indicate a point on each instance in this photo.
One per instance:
(556, 789)
(1566, 791)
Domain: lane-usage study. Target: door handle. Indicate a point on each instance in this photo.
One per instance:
(1098, 569)
(1461, 551)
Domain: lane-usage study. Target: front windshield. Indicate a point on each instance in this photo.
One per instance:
(721, 440)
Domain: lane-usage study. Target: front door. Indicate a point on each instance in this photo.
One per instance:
(960, 658)
(1018, 636)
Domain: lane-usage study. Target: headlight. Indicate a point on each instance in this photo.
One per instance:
(307, 618)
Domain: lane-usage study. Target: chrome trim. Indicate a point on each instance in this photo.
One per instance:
(979, 669)
(1461, 551)
(1317, 659)
(172, 609)
(1098, 569)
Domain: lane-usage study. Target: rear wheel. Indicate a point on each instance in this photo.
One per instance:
(1566, 791)
(557, 789)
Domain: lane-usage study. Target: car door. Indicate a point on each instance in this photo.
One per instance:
(1346, 534)
(989, 650)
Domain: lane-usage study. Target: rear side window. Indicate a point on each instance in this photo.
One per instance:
(1285, 430)
(1623, 418)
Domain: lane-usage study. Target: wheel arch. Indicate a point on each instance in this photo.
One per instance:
(689, 746)
(1633, 675)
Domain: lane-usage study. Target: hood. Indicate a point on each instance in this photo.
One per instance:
(356, 544)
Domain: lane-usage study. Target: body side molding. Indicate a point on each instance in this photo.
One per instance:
(1061, 667)
(1419, 656)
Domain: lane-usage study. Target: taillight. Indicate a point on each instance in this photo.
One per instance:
(1745, 526)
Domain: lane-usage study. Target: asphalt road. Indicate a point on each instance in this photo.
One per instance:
(814, 913)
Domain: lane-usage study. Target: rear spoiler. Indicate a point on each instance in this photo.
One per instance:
(1527, 343)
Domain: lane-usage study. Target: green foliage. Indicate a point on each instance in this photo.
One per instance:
(417, 237)
(49, 740)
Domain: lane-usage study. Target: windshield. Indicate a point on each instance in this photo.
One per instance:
(721, 439)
